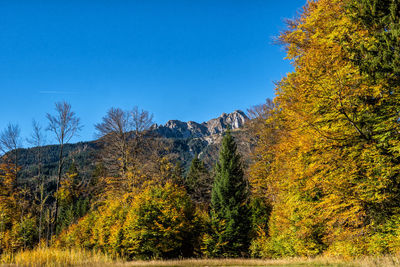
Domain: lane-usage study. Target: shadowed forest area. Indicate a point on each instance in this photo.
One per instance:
(313, 174)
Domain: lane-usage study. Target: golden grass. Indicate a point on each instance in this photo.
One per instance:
(386, 261)
(238, 262)
(50, 257)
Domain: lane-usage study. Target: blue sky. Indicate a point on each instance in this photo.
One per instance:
(186, 60)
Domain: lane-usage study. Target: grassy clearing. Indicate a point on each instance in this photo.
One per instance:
(50, 257)
(239, 262)
(387, 261)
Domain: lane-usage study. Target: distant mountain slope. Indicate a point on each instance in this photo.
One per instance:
(186, 139)
(191, 138)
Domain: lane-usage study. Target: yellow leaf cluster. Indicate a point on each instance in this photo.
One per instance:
(320, 158)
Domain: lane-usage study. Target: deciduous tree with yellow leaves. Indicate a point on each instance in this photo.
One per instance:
(333, 172)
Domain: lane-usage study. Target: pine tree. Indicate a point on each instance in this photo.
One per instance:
(177, 174)
(198, 182)
(229, 203)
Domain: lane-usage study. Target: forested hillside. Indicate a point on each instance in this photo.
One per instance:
(183, 140)
(315, 171)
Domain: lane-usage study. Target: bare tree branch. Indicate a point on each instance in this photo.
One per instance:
(37, 138)
(10, 141)
(64, 125)
(141, 120)
(121, 131)
(10, 138)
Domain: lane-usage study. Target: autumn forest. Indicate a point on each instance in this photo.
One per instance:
(322, 177)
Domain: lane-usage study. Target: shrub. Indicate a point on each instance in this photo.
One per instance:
(160, 224)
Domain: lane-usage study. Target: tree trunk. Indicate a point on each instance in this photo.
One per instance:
(60, 165)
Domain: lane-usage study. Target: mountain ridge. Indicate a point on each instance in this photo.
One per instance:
(186, 139)
(192, 129)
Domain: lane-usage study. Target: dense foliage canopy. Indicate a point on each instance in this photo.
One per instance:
(333, 172)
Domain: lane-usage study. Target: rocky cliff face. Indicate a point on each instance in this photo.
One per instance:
(204, 139)
(191, 129)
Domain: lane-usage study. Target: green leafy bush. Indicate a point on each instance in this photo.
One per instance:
(160, 224)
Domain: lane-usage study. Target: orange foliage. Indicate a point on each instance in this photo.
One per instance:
(330, 174)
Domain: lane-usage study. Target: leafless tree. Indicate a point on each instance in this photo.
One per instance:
(41, 198)
(141, 120)
(118, 130)
(64, 125)
(259, 115)
(113, 132)
(10, 141)
(37, 139)
(261, 112)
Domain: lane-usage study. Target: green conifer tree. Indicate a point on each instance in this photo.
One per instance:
(73, 203)
(230, 212)
(177, 174)
(198, 182)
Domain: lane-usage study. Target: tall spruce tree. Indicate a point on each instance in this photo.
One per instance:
(230, 211)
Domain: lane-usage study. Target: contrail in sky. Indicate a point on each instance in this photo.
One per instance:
(56, 92)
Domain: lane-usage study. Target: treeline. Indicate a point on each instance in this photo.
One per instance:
(170, 215)
(328, 154)
(325, 176)
(34, 212)
(138, 202)
(146, 210)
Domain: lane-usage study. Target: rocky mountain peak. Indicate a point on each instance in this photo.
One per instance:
(233, 120)
(190, 129)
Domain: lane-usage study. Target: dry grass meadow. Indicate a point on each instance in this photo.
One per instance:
(53, 257)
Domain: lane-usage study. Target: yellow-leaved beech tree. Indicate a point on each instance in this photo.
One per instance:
(328, 156)
(17, 227)
(157, 222)
(8, 216)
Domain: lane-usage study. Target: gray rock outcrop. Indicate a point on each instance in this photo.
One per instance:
(191, 129)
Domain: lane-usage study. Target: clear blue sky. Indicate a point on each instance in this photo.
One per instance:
(186, 60)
